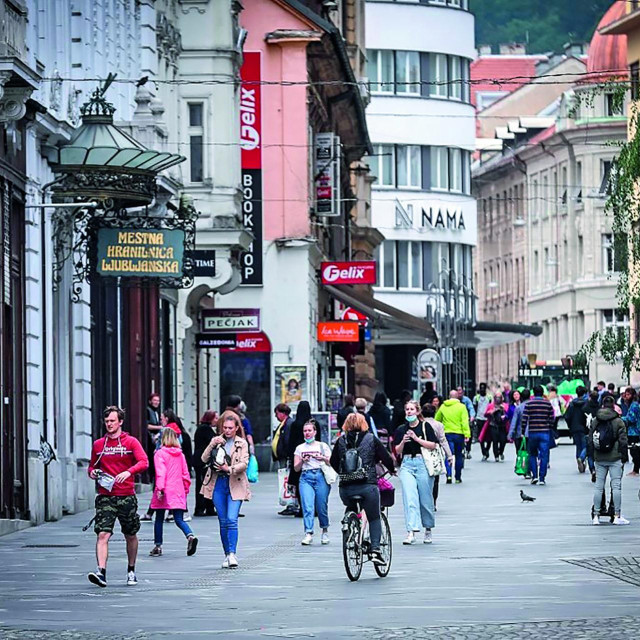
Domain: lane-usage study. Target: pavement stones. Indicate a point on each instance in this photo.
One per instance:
(497, 568)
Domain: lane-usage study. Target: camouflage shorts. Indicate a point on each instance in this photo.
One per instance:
(124, 508)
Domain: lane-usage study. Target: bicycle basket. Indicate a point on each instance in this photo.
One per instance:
(387, 498)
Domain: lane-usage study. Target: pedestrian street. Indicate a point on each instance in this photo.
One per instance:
(497, 567)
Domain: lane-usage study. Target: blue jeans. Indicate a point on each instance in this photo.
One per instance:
(538, 445)
(580, 440)
(228, 511)
(177, 518)
(456, 444)
(314, 495)
(417, 494)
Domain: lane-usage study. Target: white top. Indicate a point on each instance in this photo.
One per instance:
(315, 447)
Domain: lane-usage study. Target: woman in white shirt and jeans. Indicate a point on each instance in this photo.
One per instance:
(314, 489)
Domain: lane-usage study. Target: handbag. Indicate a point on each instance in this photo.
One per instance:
(329, 473)
(252, 469)
(286, 498)
(522, 459)
(433, 460)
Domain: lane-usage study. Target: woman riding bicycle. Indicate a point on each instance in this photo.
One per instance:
(371, 451)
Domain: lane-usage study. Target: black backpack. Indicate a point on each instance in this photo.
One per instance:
(603, 436)
(351, 467)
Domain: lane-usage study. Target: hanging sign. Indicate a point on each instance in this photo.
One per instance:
(150, 253)
(251, 164)
(228, 342)
(338, 332)
(428, 362)
(204, 262)
(354, 272)
(230, 320)
(327, 174)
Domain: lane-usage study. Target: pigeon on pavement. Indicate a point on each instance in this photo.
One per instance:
(525, 497)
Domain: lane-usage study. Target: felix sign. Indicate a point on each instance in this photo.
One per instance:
(363, 272)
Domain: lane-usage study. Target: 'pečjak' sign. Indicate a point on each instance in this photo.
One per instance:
(140, 253)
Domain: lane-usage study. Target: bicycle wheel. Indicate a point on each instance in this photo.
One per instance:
(351, 549)
(386, 548)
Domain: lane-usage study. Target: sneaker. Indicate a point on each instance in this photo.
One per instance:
(458, 481)
(497, 459)
(233, 561)
(534, 480)
(593, 476)
(410, 539)
(192, 545)
(542, 483)
(377, 559)
(187, 517)
(199, 514)
(449, 480)
(596, 520)
(147, 517)
(428, 539)
(168, 518)
(485, 458)
(502, 457)
(132, 581)
(620, 520)
(581, 467)
(225, 564)
(467, 455)
(96, 577)
(325, 538)
(156, 551)
(307, 540)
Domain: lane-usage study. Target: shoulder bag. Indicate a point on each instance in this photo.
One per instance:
(433, 458)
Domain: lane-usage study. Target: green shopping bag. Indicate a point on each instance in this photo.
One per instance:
(522, 459)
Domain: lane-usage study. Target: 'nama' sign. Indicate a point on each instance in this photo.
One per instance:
(363, 272)
(338, 332)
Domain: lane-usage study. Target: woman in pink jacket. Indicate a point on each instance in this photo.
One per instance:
(172, 487)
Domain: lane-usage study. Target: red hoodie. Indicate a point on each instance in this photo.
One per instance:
(115, 455)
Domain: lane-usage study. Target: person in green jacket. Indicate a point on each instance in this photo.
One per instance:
(455, 418)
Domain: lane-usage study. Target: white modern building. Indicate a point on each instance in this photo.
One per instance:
(422, 126)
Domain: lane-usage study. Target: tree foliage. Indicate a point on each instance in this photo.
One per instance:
(545, 25)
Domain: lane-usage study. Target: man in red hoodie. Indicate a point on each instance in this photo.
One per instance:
(115, 460)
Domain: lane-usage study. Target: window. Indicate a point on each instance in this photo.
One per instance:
(388, 264)
(440, 168)
(438, 75)
(382, 164)
(545, 205)
(614, 253)
(455, 164)
(409, 166)
(196, 139)
(634, 72)
(616, 320)
(455, 77)
(380, 69)
(402, 264)
(580, 264)
(408, 72)
(578, 184)
(612, 105)
(605, 172)
(534, 198)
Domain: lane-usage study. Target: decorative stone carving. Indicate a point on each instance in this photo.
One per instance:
(168, 40)
(193, 5)
(13, 103)
(55, 94)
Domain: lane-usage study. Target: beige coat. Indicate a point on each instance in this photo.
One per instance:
(238, 482)
(438, 429)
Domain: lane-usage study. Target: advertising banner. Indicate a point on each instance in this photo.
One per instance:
(338, 331)
(230, 320)
(327, 174)
(134, 252)
(354, 272)
(428, 361)
(251, 164)
(204, 262)
(290, 384)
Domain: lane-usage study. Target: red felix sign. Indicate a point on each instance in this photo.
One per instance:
(348, 272)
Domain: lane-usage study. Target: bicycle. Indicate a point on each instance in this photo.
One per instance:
(356, 544)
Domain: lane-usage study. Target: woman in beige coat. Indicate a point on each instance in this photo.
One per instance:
(226, 480)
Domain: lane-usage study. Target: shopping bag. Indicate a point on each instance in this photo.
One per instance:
(285, 497)
(522, 459)
(252, 469)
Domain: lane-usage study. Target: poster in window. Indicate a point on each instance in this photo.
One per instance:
(290, 384)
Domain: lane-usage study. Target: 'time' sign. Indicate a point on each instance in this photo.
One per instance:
(363, 272)
(251, 165)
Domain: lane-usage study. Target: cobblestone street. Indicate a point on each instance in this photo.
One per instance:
(498, 568)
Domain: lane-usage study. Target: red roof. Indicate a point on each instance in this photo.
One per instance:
(542, 135)
(608, 54)
(502, 73)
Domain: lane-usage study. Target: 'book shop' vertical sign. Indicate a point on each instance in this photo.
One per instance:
(251, 163)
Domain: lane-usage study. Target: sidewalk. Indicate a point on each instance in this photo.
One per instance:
(494, 561)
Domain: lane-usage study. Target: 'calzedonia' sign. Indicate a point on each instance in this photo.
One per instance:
(144, 253)
(338, 332)
(363, 272)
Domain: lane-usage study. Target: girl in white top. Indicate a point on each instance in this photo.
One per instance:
(309, 457)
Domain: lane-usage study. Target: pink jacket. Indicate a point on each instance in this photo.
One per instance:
(172, 477)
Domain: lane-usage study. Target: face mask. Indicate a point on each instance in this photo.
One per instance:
(412, 418)
(310, 440)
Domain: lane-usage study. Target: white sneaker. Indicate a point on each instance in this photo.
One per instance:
(233, 561)
(187, 517)
(428, 539)
(596, 520)
(225, 564)
(410, 539)
(308, 539)
(620, 520)
(325, 538)
(132, 581)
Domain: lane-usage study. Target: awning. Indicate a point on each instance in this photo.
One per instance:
(383, 315)
(495, 334)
